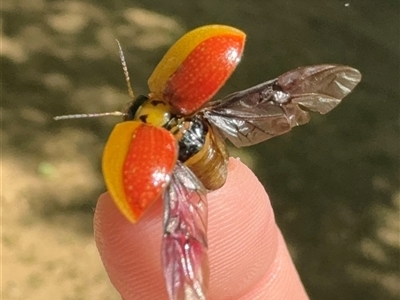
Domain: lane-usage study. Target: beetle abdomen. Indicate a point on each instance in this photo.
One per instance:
(210, 164)
(203, 152)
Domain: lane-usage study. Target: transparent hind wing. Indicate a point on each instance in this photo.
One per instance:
(184, 246)
(319, 88)
(274, 107)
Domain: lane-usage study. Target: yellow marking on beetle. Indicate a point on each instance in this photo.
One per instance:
(154, 112)
(113, 160)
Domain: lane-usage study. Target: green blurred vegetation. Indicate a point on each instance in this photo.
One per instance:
(333, 183)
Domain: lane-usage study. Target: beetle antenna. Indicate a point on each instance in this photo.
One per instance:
(126, 73)
(93, 115)
(113, 113)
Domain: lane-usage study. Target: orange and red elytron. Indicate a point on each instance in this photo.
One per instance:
(145, 166)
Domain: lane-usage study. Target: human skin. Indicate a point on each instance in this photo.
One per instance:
(247, 253)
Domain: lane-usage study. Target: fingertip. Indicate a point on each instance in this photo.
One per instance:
(130, 252)
(244, 244)
(242, 233)
(281, 281)
(275, 276)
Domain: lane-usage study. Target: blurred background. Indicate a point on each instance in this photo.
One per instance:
(334, 183)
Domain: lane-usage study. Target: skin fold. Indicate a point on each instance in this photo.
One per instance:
(248, 256)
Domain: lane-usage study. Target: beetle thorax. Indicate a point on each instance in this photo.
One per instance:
(150, 111)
